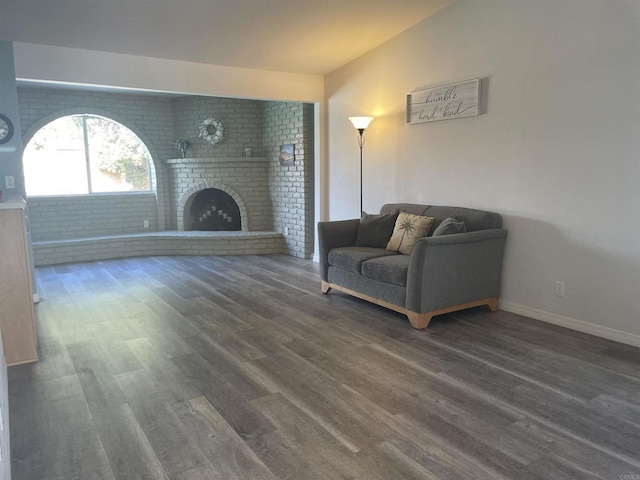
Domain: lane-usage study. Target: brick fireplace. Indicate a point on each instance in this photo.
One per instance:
(242, 181)
(212, 210)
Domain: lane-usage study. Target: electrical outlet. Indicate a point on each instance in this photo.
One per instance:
(146, 224)
(9, 182)
(559, 288)
(286, 231)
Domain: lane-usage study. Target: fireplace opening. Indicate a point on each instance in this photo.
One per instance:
(214, 210)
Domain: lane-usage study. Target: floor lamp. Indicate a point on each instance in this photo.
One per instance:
(361, 124)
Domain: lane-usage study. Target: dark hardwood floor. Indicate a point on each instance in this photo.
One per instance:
(231, 368)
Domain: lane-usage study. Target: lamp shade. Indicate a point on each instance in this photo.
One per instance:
(361, 123)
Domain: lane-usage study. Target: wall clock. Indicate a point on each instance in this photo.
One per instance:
(6, 129)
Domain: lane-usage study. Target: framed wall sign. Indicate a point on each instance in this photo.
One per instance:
(444, 102)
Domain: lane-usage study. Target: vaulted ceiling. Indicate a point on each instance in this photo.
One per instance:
(303, 36)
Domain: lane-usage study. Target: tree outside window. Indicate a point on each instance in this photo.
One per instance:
(81, 154)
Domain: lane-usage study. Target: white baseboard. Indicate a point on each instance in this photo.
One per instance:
(572, 323)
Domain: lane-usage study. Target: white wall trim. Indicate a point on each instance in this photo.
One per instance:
(572, 323)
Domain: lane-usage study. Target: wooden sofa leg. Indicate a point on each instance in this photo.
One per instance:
(325, 287)
(493, 304)
(419, 321)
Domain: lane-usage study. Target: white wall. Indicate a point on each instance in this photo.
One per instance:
(557, 153)
(10, 152)
(58, 64)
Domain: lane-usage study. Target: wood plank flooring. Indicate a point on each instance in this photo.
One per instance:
(228, 368)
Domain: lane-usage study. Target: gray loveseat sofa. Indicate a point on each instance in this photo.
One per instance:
(442, 274)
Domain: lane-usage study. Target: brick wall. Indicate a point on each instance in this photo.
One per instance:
(242, 119)
(84, 216)
(291, 188)
(150, 117)
(243, 129)
(276, 197)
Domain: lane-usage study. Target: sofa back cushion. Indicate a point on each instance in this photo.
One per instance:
(375, 230)
(449, 226)
(413, 208)
(474, 219)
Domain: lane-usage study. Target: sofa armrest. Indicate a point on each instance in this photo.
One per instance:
(455, 269)
(341, 233)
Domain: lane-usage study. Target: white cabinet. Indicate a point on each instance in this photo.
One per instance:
(5, 452)
(17, 316)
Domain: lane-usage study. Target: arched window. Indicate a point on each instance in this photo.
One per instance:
(81, 154)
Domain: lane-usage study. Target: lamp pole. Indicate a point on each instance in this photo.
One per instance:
(361, 124)
(361, 144)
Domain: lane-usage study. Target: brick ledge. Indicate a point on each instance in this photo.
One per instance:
(52, 252)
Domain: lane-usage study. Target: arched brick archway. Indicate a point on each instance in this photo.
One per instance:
(156, 168)
(185, 202)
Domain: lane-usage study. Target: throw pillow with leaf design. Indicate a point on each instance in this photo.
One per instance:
(408, 229)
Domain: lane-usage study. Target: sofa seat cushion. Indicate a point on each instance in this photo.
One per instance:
(351, 258)
(389, 269)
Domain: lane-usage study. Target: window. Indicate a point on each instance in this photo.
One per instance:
(81, 154)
